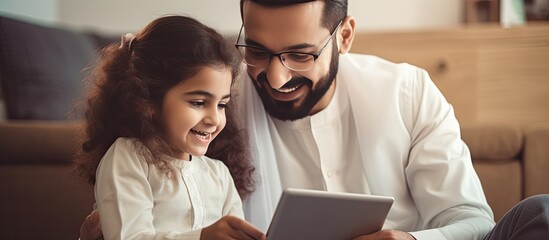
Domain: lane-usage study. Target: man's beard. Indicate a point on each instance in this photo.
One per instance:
(285, 110)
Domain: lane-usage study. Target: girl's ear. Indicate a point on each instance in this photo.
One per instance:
(346, 34)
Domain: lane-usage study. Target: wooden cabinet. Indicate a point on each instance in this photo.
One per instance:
(488, 73)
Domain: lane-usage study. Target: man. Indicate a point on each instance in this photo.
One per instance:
(352, 123)
(321, 118)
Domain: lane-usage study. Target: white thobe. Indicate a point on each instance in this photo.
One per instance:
(313, 153)
(407, 142)
(136, 200)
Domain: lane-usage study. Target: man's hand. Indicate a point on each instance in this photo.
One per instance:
(230, 227)
(91, 228)
(387, 235)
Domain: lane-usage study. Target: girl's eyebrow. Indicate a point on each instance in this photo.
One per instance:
(205, 93)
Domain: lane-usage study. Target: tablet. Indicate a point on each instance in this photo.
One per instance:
(320, 215)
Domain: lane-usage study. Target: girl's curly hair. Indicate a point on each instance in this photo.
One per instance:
(128, 87)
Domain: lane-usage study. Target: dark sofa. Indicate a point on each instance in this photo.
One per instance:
(41, 199)
(41, 75)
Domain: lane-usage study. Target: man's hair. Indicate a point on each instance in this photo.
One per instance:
(334, 10)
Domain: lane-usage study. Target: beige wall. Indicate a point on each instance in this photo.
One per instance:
(115, 16)
(42, 11)
(123, 15)
(385, 15)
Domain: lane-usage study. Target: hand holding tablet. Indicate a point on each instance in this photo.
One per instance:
(311, 214)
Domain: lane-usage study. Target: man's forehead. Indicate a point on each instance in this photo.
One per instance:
(278, 27)
(255, 14)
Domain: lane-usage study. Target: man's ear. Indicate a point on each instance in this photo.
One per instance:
(346, 34)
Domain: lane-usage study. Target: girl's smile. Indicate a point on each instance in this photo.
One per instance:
(193, 111)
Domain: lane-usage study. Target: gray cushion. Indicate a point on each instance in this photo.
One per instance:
(41, 69)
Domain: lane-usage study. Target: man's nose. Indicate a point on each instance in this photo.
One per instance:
(277, 73)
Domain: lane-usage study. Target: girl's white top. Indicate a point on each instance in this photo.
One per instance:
(138, 201)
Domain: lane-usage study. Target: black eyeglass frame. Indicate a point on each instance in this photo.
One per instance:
(279, 55)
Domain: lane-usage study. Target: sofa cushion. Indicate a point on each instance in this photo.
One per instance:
(493, 143)
(502, 184)
(41, 69)
(25, 142)
(42, 201)
(536, 159)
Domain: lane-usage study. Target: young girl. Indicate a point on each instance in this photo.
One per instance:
(157, 104)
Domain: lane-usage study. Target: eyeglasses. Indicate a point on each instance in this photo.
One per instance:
(296, 61)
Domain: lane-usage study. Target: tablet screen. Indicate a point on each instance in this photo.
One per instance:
(312, 214)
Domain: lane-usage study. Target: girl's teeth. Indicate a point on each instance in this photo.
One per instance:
(201, 135)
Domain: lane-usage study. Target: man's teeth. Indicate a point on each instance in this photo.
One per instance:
(288, 90)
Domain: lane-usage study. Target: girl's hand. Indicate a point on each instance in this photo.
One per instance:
(91, 228)
(230, 227)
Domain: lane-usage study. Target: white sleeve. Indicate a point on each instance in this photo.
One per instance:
(124, 197)
(233, 203)
(442, 181)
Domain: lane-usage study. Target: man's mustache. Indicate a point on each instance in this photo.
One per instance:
(294, 82)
